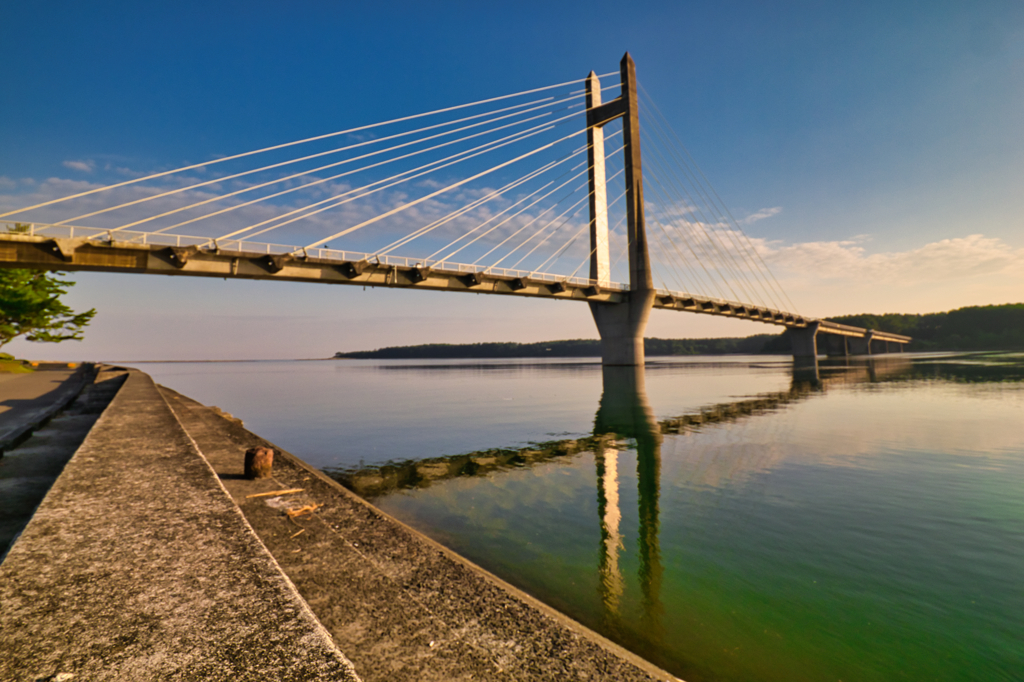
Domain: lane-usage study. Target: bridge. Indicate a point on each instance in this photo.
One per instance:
(519, 218)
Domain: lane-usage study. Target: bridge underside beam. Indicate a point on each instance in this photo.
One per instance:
(81, 255)
(708, 306)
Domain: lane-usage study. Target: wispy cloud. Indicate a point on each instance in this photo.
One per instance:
(761, 214)
(944, 260)
(836, 277)
(83, 166)
(832, 277)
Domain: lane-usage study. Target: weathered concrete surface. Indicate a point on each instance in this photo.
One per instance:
(28, 470)
(137, 566)
(399, 605)
(27, 401)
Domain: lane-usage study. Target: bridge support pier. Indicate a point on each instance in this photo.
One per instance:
(804, 341)
(805, 352)
(622, 326)
(861, 346)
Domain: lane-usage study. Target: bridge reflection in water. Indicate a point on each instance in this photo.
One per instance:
(624, 421)
(626, 412)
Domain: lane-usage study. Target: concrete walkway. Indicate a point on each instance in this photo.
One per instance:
(138, 566)
(29, 469)
(28, 400)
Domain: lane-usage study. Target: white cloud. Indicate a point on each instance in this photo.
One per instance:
(840, 277)
(942, 261)
(83, 166)
(761, 214)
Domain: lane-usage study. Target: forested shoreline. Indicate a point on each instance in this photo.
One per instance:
(993, 327)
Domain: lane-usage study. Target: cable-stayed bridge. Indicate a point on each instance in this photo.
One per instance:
(539, 193)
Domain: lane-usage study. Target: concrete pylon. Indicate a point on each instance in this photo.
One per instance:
(862, 345)
(621, 325)
(805, 349)
(804, 341)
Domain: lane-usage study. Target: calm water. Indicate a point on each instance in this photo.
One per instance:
(723, 518)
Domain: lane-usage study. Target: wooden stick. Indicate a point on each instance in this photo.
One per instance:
(276, 492)
(302, 511)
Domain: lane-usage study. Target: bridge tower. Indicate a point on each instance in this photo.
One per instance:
(621, 325)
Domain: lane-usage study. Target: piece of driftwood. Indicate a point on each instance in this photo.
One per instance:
(258, 462)
(302, 511)
(271, 493)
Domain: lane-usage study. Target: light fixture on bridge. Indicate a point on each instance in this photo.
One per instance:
(352, 269)
(272, 264)
(472, 279)
(417, 274)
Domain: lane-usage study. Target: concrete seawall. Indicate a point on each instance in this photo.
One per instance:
(152, 557)
(137, 566)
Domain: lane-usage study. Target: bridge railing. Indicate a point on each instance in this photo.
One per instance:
(262, 248)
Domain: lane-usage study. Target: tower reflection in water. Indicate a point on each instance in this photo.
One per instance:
(625, 413)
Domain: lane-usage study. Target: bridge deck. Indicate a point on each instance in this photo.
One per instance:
(89, 249)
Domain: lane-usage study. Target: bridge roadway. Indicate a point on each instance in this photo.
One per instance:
(91, 249)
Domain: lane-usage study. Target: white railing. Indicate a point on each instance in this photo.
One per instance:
(262, 248)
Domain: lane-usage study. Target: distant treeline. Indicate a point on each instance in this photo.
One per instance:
(990, 327)
(574, 348)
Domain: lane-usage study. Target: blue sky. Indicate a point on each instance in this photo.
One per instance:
(883, 139)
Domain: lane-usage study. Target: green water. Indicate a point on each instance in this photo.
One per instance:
(723, 517)
(868, 531)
